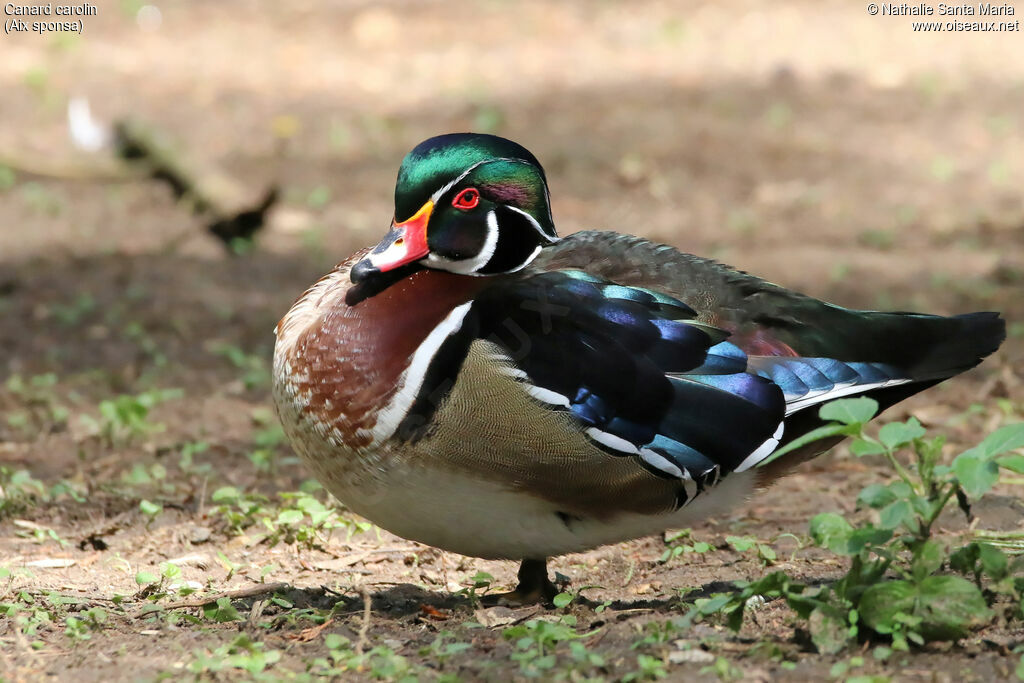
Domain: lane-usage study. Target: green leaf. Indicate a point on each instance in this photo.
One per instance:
(144, 578)
(965, 560)
(948, 606)
(860, 448)
(876, 496)
(1008, 438)
(829, 631)
(1014, 463)
(225, 494)
(149, 509)
(818, 434)
(976, 475)
(221, 611)
(831, 531)
(881, 603)
(562, 599)
(927, 560)
(849, 411)
(289, 517)
(866, 537)
(938, 607)
(895, 514)
(170, 570)
(896, 434)
(993, 561)
(741, 543)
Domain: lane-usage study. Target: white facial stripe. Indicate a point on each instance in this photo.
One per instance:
(440, 193)
(411, 380)
(534, 223)
(528, 261)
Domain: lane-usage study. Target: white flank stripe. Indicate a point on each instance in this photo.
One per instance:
(690, 486)
(547, 396)
(764, 450)
(612, 441)
(411, 380)
(515, 372)
(661, 462)
(838, 392)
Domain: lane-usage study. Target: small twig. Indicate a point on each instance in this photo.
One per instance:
(248, 592)
(311, 633)
(362, 642)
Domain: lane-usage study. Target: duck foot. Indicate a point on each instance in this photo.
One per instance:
(534, 586)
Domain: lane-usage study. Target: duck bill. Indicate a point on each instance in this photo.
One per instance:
(404, 244)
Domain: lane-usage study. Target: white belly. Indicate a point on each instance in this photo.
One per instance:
(482, 519)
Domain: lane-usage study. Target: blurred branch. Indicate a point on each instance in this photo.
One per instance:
(92, 169)
(233, 211)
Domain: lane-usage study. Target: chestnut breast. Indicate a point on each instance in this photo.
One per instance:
(345, 362)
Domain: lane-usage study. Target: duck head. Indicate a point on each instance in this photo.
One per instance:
(465, 203)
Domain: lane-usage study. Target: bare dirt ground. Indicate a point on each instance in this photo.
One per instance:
(833, 152)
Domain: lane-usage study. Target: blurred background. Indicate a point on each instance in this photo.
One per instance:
(827, 150)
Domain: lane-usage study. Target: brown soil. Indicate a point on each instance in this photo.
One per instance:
(830, 151)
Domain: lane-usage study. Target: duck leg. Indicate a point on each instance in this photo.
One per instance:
(534, 586)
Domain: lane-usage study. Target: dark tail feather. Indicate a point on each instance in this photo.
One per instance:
(930, 348)
(965, 342)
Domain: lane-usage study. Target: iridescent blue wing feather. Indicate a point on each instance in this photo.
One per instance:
(642, 376)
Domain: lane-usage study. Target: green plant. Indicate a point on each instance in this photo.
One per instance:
(42, 410)
(480, 584)
(648, 668)
(87, 621)
(894, 588)
(381, 663)
(150, 511)
(186, 461)
(125, 418)
(18, 489)
(72, 313)
(741, 544)
(242, 653)
(536, 642)
(255, 368)
(300, 519)
(444, 647)
(677, 545)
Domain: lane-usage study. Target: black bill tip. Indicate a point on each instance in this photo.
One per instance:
(370, 281)
(363, 271)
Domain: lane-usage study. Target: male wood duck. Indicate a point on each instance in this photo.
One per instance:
(477, 383)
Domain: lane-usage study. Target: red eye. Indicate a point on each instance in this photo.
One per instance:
(467, 199)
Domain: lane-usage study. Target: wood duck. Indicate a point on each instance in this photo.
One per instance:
(477, 383)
